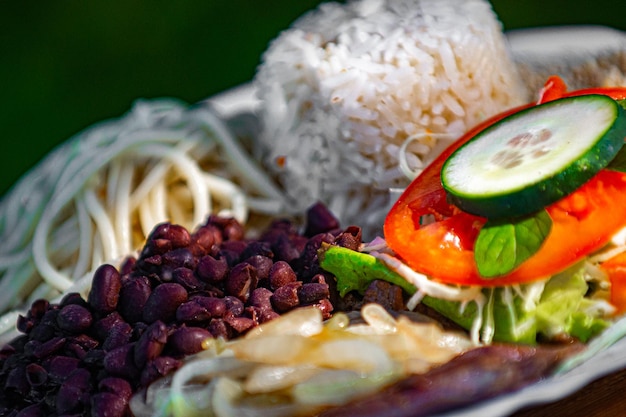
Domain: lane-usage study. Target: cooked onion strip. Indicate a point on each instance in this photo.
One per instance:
(297, 365)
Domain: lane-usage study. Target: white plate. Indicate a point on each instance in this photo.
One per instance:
(542, 47)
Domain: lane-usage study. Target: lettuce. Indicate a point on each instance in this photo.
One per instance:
(520, 314)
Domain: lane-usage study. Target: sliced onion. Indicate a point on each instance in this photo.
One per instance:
(273, 349)
(338, 386)
(273, 378)
(227, 402)
(352, 354)
(302, 321)
(298, 365)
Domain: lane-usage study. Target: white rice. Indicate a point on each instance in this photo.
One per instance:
(348, 84)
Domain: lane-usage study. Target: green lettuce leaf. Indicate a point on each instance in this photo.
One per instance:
(563, 305)
(559, 309)
(355, 270)
(557, 306)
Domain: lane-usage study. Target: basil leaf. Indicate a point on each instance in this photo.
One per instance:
(503, 245)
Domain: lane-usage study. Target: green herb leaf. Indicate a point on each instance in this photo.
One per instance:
(355, 270)
(502, 245)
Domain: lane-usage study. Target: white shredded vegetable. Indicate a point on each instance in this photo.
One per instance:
(96, 197)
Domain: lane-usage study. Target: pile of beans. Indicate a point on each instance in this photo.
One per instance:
(88, 357)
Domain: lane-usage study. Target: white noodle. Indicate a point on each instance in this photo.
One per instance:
(96, 197)
(103, 223)
(85, 232)
(113, 176)
(155, 175)
(122, 212)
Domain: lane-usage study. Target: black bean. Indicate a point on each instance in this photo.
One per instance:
(17, 381)
(263, 264)
(267, 315)
(281, 273)
(200, 309)
(186, 277)
(231, 251)
(233, 231)
(50, 316)
(118, 386)
(257, 247)
(7, 351)
(312, 292)
(234, 306)
(166, 236)
(105, 289)
(212, 270)
(34, 410)
(133, 297)
(73, 298)
(38, 308)
(85, 341)
(42, 332)
(240, 324)
(163, 302)
(74, 392)
(218, 328)
(286, 297)
(25, 324)
(45, 349)
(350, 238)
(231, 228)
(157, 368)
(319, 220)
(72, 348)
(241, 281)
(94, 357)
(119, 335)
(192, 312)
(179, 257)
(59, 367)
(260, 298)
(102, 328)
(151, 263)
(308, 263)
(215, 306)
(205, 238)
(120, 362)
(188, 340)
(326, 307)
(36, 374)
(128, 264)
(107, 404)
(150, 344)
(287, 248)
(74, 319)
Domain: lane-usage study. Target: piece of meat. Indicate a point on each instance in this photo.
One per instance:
(474, 376)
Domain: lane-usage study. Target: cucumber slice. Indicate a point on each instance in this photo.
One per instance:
(535, 157)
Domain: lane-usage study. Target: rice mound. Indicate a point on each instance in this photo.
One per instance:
(348, 84)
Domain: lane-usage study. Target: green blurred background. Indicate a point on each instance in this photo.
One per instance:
(67, 64)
